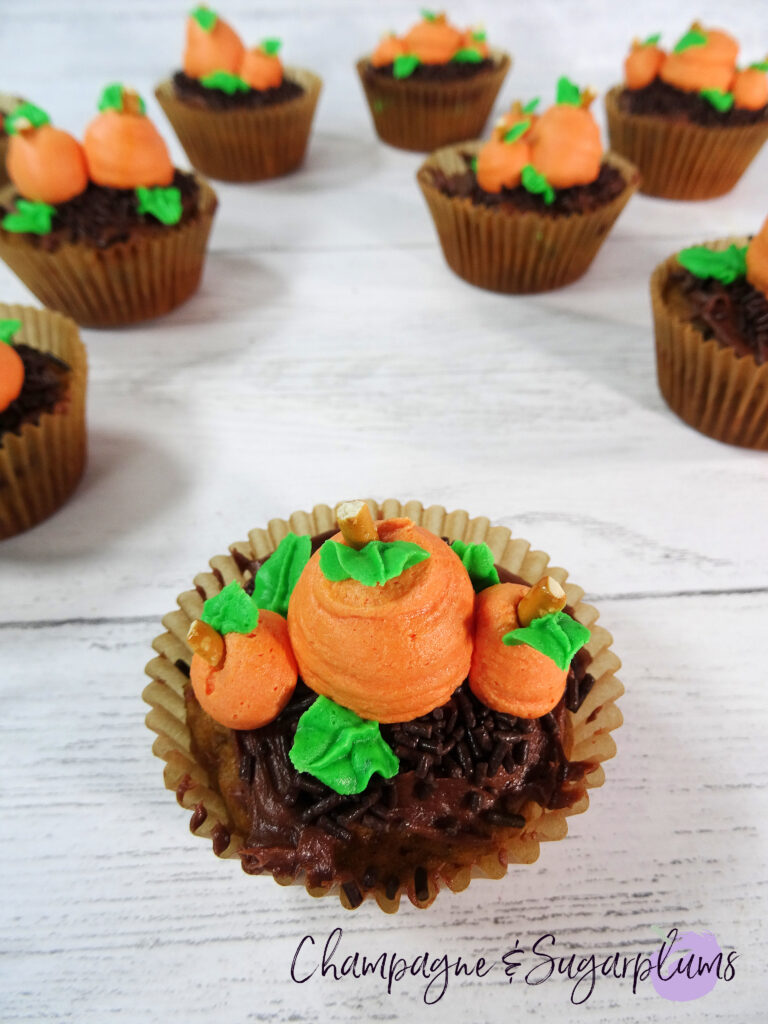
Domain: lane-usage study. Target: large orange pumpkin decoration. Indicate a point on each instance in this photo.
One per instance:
(704, 59)
(46, 164)
(565, 141)
(434, 40)
(212, 45)
(122, 146)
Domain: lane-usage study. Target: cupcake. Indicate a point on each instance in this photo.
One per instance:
(42, 415)
(710, 310)
(382, 701)
(239, 115)
(7, 106)
(528, 210)
(433, 86)
(690, 119)
(106, 231)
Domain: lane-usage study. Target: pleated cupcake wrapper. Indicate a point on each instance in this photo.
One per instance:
(709, 386)
(590, 727)
(245, 144)
(679, 160)
(423, 116)
(516, 252)
(42, 464)
(148, 275)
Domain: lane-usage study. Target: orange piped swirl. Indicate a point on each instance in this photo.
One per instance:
(565, 146)
(757, 260)
(389, 653)
(221, 49)
(46, 164)
(433, 41)
(516, 680)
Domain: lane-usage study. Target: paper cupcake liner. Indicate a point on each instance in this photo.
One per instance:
(148, 275)
(245, 144)
(710, 387)
(516, 252)
(590, 727)
(40, 466)
(679, 160)
(423, 116)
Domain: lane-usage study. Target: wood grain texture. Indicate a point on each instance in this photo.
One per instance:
(331, 353)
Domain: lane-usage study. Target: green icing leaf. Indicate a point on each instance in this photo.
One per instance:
(558, 636)
(35, 115)
(531, 105)
(761, 65)
(274, 582)
(479, 35)
(536, 183)
(112, 98)
(725, 265)
(7, 330)
(428, 15)
(690, 39)
(722, 101)
(467, 55)
(340, 748)
(652, 40)
(404, 65)
(271, 46)
(568, 92)
(373, 565)
(231, 610)
(477, 559)
(517, 130)
(30, 217)
(162, 203)
(226, 81)
(473, 164)
(205, 18)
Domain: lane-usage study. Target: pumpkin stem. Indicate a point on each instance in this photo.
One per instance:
(205, 641)
(132, 102)
(544, 598)
(356, 523)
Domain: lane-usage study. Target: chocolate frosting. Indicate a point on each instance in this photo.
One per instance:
(192, 91)
(661, 99)
(452, 71)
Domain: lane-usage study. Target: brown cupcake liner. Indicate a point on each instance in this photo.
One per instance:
(422, 116)
(679, 160)
(148, 275)
(710, 387)
(590, 727)
(41, 465)
(516, 252)
(245, 144)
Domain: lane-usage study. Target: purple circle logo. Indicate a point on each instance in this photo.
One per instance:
(687, 965)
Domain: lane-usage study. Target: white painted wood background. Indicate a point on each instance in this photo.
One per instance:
(331, 353)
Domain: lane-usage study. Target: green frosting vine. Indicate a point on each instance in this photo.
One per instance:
(404, 65)
(231, 611)
(162, 203)
(30, 218)
(557, 636)
(36, 116)
(517, 130)
(477, 559)
(226, 81)
(467, 55)
(724, 265)
(271, 46)
(652, 40)
(691, 38)
(722, 101)
(568, 92)
(8, 329)
(374, 565)
(205, 18)
(340, 749)
(537, 184)
(274, 582)
(112, 98)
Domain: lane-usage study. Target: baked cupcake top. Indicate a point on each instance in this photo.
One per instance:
(220, 73)
(383, 623)
(31, 382)
(119, 179)
(433, 50)
(697, 80)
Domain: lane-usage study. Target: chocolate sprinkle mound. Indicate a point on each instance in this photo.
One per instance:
(192, 91)
(45, 384)
(451, 71)
(734, 314)
(663, 100)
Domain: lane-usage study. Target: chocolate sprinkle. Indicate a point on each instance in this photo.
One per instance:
(451, 71)
(735, 314)
(45, 384)
(192, 91)
(660, 99)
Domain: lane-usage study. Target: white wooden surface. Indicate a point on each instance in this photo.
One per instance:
(329, 353)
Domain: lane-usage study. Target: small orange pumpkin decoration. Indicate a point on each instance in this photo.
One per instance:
(46, 164)
(643, 63)
(501, 160)
(261, 67)
(212, 45)
(565, 141)
(123, 148)
(707, 62)
(11, 365)
(434, 40)
(516, 114)
(757, 260)
(750, 89)
(474, 39)
(389, 48)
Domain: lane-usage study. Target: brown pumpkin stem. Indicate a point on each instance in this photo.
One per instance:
(131, 102)
(205, 641)
(543, 598)
(23, 126)
(356, 523)
(587, 98)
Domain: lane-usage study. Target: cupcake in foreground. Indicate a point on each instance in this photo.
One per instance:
(691, 119)
(106, 231)
(42, 415)
(710, 308)
(238, 113)
(434, 85)
(389, 709)
(528, 210)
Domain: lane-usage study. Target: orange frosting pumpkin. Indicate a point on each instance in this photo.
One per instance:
(123, 148)
(515, 680)
(46, 164)
(11, 375)
(757, 260)
(474, 39)
(391, 652)
(500, 164)
(218, 48)
(750, 89)
(515, 115)
(434, 40)
(710, 65)
(642, 65)
(388, 49)
(256, 679)
(565, 146)
(261, 70)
